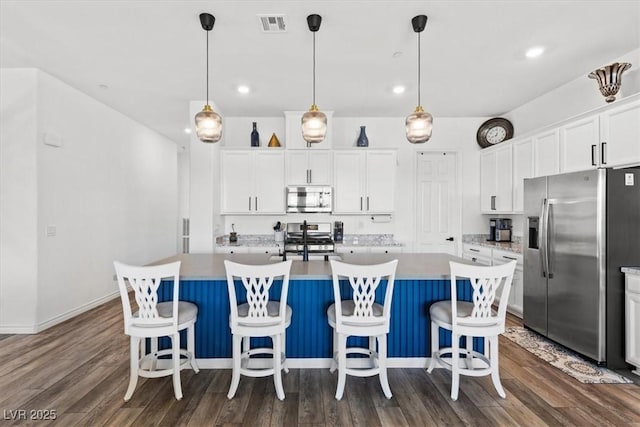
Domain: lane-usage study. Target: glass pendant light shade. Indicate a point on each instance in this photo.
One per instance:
(418, 126)
(314, 125)
(208, 125)
(314, 121)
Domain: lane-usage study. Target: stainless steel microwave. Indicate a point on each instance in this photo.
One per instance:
(309, 199)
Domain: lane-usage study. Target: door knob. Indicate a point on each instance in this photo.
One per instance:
(450, 239)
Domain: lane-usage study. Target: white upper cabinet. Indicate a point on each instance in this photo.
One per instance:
(496, 180)
(307, 167)
(293, 132)
(522, 168)
(546, 148)
(620, 135)
(579, 142)
(252, 182)
(364, 181)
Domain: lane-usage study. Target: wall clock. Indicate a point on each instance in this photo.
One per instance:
(494, 131)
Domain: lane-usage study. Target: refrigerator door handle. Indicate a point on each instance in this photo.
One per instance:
(547, 239)
(542, 241)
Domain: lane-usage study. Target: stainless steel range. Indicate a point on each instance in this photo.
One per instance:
(304, 238)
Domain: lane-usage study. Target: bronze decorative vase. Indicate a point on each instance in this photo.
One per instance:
(610, 79)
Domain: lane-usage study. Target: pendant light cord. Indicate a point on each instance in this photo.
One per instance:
(419, 68)
(314, 68)
(207, 67)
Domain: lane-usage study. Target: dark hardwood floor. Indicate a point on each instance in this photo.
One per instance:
(79, 369)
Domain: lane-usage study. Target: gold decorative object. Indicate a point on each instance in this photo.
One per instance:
(274, 142)
(610, 79)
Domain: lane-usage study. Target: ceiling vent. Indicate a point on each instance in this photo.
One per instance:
(272, 23)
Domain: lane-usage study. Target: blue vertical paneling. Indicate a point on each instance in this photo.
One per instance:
(309, 335)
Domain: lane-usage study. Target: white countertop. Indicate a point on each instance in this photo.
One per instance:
(414, 266)
(481, 240)
(268, 240)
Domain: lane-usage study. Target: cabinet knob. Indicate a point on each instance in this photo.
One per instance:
(449, 239)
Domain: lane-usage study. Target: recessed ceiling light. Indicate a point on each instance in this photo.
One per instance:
(243, 89)
(534, 52)
(398, 90)
(187, 130)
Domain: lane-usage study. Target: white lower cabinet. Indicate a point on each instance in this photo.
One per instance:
(368, 249)
(476, 253)
(273, 250)
(489, 256)
(515, 296)
(231, 250)
(632, 320)
(386, 249)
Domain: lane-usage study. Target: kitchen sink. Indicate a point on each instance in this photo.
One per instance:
(299, 257)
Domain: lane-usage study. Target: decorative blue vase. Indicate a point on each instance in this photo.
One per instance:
(255, 136)
(362, 141)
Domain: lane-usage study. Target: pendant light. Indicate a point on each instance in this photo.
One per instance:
(208, 122)
(314, 121)
(419, 123)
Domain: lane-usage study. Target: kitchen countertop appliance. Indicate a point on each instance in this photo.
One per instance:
(580, 229)
(305, 238)
(500, 229)
(338, 231)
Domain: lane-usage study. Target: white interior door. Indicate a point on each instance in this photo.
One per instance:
(438, 219)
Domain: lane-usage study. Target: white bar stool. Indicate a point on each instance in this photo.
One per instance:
(258, 317)
(361, 316)
(153, 320)
(472, 319)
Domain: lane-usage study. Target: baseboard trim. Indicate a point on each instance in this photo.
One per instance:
(34, 329)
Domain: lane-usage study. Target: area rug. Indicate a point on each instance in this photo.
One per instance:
(567, 361)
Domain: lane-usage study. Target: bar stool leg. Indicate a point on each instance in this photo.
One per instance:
(235, 377)
(382, 365)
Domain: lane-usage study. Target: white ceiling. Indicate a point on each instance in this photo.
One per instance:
(151, 54)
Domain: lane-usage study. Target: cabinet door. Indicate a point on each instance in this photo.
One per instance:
(522, 168)
(297, 168)
(319, 165)
(579, 145)
(348, 179)
(268, 173)
(547, 153)
(504, 180)
(237, 182)
(515, 295)
(488, 181)
(380, 182)
(620, 138)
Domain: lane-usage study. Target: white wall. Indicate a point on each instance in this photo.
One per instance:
(110, 191)
(576, 97)
(18, 200)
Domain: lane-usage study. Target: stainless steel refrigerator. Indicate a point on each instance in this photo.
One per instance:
(580, 228)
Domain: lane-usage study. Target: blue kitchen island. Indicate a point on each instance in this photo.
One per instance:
(421, 279)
